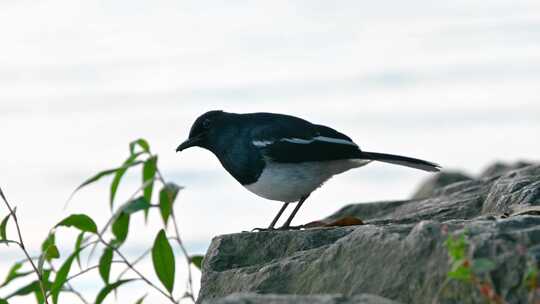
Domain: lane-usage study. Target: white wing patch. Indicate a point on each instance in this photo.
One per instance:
(262, 143)
(301, 141)
(321, 139)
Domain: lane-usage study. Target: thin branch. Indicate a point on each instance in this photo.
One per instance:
(11, 242)
(117, 213)
(137, 260)
(125, 260)
(184, 250)
(69, 287)
(78, 294)
(179, 241)
(23, 248)
(87, 270)
(121, 208)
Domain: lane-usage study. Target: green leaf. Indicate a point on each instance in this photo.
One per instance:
(32, 287)
(80, 221)
(167, 196)
(50, 240)
(39, 297)
(163, 260)
(149, 172)
(460, 272)
(96, 177)
(142, 143)
(46, 284)
(457, 246)
(3, 301)
(3, 234)
(139, 301)
(77, 249)
(120, 227)
(483, 265)
(196, 260)
(135, 205)
(14, 274)
(530, 277)
(119, 174)
(61, 277)
(25, 290)
(531, 271)
(105, 264)
(99, 175)
(107, 289)
(50, 253)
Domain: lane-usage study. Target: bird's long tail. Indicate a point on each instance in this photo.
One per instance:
(402, 161)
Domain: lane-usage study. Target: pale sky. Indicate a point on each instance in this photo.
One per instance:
(456, 83)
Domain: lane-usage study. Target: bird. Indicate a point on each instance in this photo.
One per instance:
(282, 157)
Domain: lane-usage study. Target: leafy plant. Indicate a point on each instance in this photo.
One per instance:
(475, 271)
(51, 282)
(531, 279)
(468, 270)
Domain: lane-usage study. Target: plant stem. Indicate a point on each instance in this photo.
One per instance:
(184, 250)
(23, 248)
(78, 294)
(179, 240)
(87, 270)
(69, 287)
(117, 213)
(137, 260)
(141, 276)
(121, 208)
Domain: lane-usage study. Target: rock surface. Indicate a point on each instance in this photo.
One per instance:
(438, 181)
(399, 254)
(252, 298)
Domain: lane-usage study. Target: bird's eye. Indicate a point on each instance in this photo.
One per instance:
(206, 123)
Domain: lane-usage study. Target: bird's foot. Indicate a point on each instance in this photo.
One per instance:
(263, 229)
(283, 228)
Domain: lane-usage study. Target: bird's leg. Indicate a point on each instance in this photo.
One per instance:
(289, 220)
(278, 215)
(274, 221)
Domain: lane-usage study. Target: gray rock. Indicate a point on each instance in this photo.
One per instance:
(514, 190)
(500, 168)
(252, 298)
(438, 181)
(399, 254)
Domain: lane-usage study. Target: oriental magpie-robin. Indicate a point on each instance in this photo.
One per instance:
(282, 157)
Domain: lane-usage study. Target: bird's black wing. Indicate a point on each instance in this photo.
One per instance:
(292, 140)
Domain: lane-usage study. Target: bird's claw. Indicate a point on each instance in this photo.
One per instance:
(283, 228)
(262, 229)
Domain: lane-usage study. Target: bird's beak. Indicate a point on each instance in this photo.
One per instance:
(190, 142)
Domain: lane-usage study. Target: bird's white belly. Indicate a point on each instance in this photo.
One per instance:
(288, 182)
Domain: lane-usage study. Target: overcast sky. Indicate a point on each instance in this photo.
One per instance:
(456, 83)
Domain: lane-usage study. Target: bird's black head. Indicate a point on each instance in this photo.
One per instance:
(201, 128)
